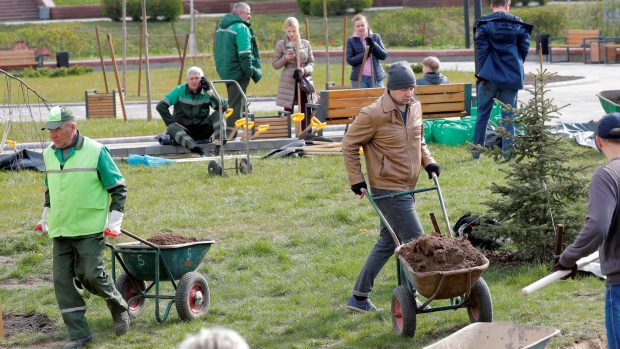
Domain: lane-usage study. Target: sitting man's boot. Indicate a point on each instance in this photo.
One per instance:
(198, 150)
(120, 323)
(79, 343)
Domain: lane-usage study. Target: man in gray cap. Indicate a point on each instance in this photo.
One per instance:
(80, 180)
(391, 133)
(601, 230)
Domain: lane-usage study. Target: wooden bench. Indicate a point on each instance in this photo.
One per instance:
(17, 59)
(102, 105)
(438, 101)
(575, 38)
(279, 126)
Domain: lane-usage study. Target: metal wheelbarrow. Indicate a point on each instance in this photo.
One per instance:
(143, 262)
(491, 336)
(463, 288)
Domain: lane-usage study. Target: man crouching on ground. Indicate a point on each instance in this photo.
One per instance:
(391, 133)
(191, 120)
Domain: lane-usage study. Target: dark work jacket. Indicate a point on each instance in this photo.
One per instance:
(355, 56)
(432, 79)
(502, 42)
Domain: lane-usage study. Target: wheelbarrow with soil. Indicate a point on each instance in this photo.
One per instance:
(145, 265)
(461, 288)
(610, 100)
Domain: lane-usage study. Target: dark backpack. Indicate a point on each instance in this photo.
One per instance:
(465, 227)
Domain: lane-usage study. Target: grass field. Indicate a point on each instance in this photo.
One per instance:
(291, 240)
(164, 79)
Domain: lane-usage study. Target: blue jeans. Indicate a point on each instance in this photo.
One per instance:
(612, 316)
(402, 217)
(487, 91)
(366, 82)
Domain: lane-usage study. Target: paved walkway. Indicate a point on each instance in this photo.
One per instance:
(579, 95)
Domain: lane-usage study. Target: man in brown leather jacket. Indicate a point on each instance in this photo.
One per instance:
(391, 133)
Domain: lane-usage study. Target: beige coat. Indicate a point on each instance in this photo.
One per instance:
(394, 152)
(286, 87)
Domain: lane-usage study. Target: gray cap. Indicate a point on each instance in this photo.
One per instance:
(400, 76)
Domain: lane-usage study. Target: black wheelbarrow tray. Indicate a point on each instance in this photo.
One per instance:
(145, 265)
(464, 288)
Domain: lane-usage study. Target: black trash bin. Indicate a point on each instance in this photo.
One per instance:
(542, 43)
(62, 59)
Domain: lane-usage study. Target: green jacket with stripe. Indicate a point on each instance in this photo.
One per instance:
(79, 180)
(190, 109)
(236, 51)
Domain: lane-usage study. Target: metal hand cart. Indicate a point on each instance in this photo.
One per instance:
(463, 288)
(143, 262)
(242, 165)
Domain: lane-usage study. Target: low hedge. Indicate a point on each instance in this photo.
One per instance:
(168, 10)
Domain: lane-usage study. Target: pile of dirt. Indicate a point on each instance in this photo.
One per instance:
(30, 322)
(612, 95)
(438, 253)
(163, 239)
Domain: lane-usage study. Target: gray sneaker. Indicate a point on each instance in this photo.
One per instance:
(120, 322)
(79, 343)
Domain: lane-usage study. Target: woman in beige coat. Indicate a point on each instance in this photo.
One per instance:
(285, 57)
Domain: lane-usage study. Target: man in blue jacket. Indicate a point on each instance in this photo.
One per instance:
(502, 42)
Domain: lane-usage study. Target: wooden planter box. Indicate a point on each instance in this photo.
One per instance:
(103, 105)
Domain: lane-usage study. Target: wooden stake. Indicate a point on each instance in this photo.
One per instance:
(326, 25)
(344, 48)
(1, 324)
(298, 58)
(105, 80)
(118, 82)
(183, 59)
(307, 29)
(359, 78)
(176, 40)
(140, 58)
(149, 115)
(559, 235)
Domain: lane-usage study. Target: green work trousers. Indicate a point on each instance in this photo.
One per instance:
(235, 101)
(186, 136)
(81, 258)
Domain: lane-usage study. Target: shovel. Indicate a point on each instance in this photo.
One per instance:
(293, 144)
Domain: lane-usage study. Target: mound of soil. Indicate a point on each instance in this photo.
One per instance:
(163, 239)
(438, 253)
(612, 95)
(31, 322)
(529, 80)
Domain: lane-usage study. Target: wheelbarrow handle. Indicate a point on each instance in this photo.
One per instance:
(139, 239)
(382, 217)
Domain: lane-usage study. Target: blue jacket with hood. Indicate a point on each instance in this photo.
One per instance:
(502, 42)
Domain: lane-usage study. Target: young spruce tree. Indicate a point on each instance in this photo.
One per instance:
(540, 181)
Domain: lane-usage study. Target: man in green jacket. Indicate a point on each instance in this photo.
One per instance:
(191, 120)
(80, 180)
(236, 55)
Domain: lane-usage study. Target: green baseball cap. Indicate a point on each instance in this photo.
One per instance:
(56, 117)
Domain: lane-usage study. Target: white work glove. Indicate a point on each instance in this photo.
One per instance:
(113, 227)
(41, 227)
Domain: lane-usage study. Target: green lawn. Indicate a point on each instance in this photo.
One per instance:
(164, 79)
(291, 240)
(76, 2)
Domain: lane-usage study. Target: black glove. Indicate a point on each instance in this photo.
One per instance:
(204, 84)
(297, 74)
(357, 188)
(432, 168)
(370, 42)
(573, 270)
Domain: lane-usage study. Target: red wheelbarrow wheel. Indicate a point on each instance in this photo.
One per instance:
(403, 312)
(192, 297)
(480, 308)
(130, 287)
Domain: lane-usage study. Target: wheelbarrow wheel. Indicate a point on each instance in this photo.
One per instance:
(245, 166)
(214, 168)
(480, 308)
(403, 312)
(130, 287)
(192, 297)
